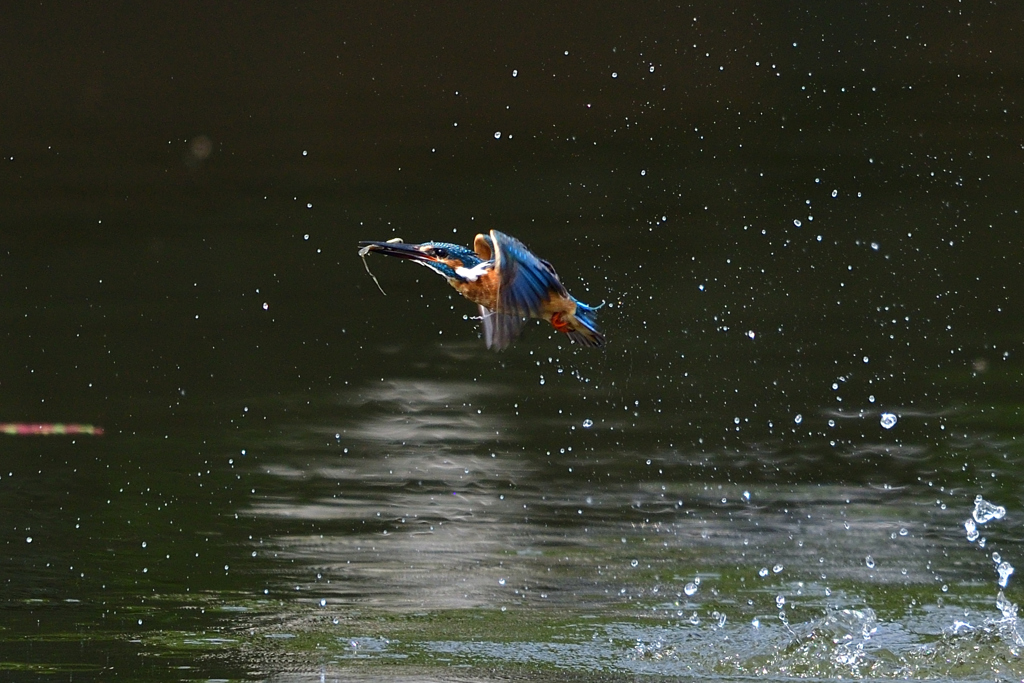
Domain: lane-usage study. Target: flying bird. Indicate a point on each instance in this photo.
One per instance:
(506, 281)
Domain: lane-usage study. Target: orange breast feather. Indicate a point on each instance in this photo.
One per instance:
(482, 291)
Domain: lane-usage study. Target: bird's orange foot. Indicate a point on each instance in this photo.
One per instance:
(560, 325)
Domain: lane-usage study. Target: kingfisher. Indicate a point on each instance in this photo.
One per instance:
(506, 281)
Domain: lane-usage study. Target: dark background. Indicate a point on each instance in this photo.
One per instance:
(749, 114)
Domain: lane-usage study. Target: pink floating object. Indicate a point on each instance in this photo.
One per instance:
(47, 428)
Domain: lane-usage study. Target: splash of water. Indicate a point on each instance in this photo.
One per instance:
(984, 511)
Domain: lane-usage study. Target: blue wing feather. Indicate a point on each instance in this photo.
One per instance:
(526, 281)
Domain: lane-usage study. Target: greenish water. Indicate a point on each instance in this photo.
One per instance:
(772, 470)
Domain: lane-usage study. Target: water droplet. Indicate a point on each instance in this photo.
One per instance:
(1004, 569)
(497, 135)
(762, 572)
(634, 563)
(835, 193)
(515, 72)
(615, 74)
(501, 582)
(870, 562)
(796, 222)
(265, 305)
(798, 419)
(780, 601)
(690, 588)
(888, 421)
(777, 568)
(588, 423)
(323, 602)
(985, 511)
(28, 539)
(1008, 609)
(875, 246)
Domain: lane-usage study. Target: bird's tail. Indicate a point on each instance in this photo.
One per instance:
(583, 326)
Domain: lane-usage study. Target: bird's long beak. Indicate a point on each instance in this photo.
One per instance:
(397, 249)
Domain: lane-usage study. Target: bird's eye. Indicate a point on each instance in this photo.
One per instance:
(440, 253)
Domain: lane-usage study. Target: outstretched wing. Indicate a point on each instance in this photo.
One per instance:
(500, 330)
(525, 282)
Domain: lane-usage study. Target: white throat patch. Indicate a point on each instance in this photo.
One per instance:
(473, 274)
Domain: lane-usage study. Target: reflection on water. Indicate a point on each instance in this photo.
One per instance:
(424, 412)
(427, 504)
(679, 578)
(452, 523)
(480, 523)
